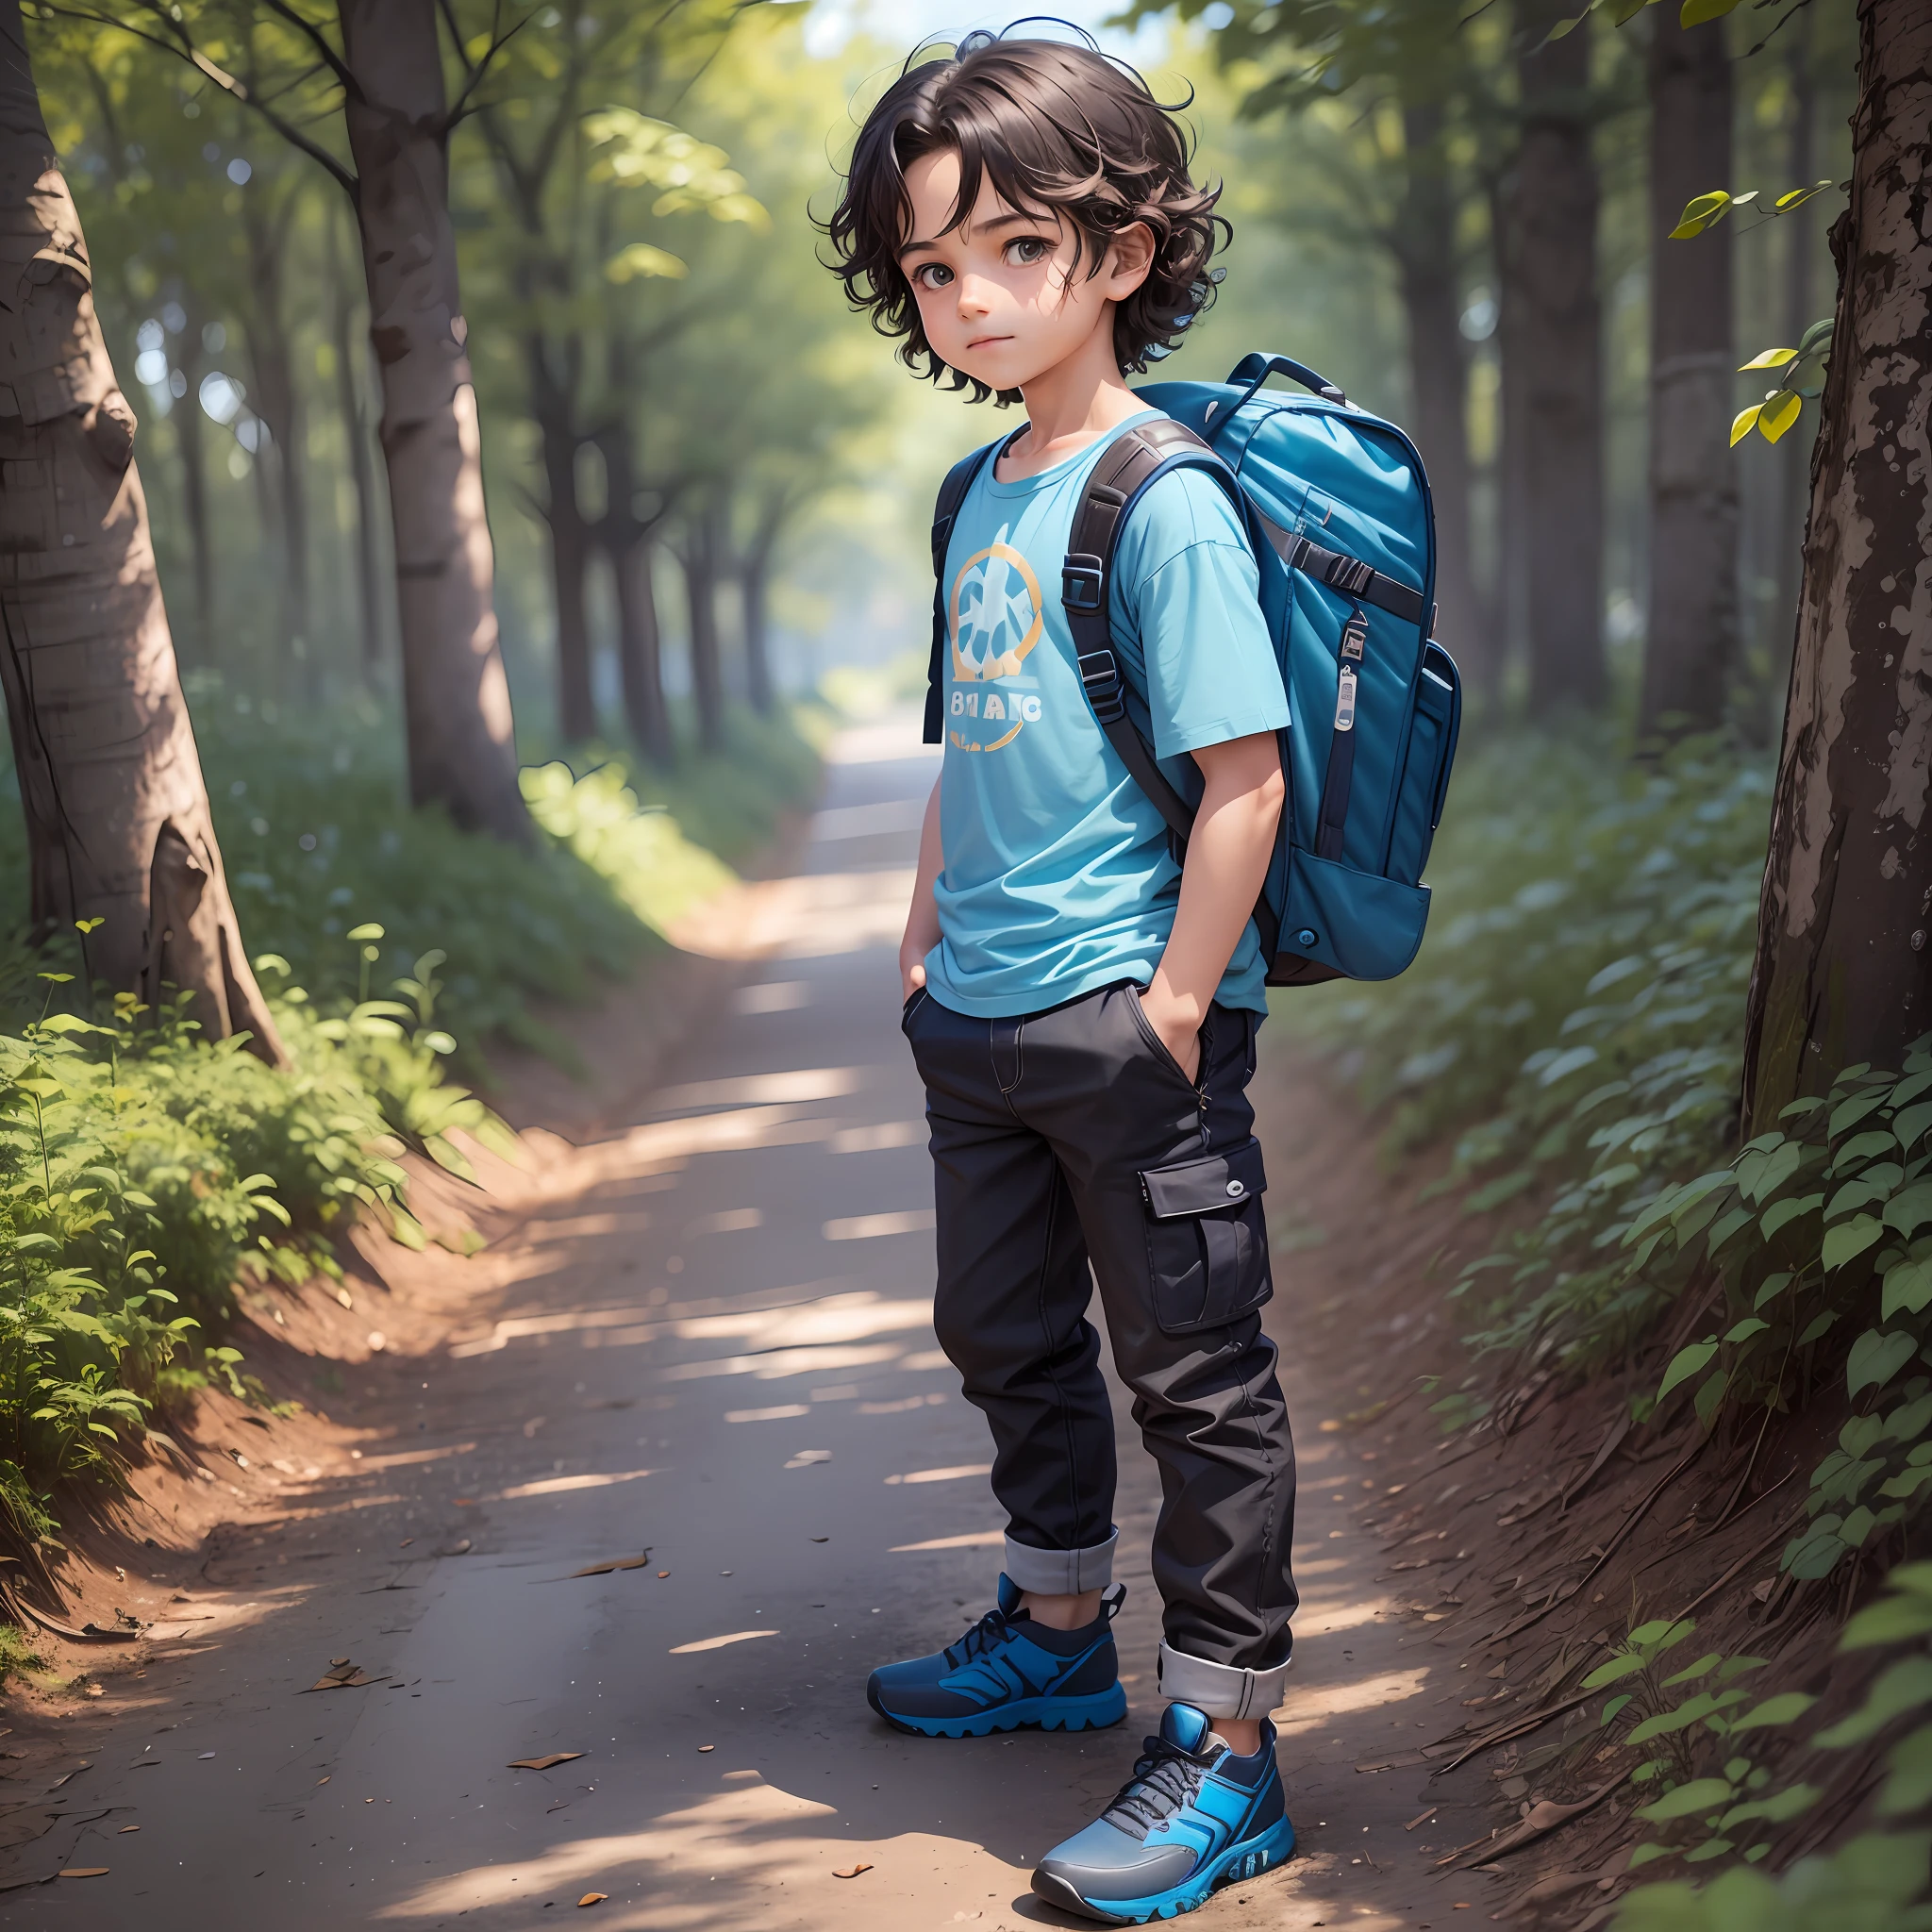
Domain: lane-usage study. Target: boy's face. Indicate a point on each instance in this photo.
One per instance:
(1000, 296)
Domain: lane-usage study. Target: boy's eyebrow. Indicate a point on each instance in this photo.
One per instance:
(1005, 221)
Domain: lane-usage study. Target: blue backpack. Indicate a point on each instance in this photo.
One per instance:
(1337, 507)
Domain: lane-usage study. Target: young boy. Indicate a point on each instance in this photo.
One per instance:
(1082, 1008)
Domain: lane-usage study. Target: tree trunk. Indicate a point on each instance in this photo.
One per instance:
(1792, 461)
(455, 698)
(753, 584)
(277, 402)
(699, 557)
(1431, 299)
(1690, 637)
(369, 587)
(117, 816)
(192, 444)
(1508, 603)
(640, 651)
(569, 545)
(1555, 265)
(1844, 971)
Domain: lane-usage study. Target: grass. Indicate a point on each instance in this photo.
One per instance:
(146, 1175)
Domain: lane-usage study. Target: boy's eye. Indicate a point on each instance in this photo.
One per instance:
(931, 274)
(1024, 250)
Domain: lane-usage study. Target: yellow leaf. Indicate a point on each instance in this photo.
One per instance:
(1743, 423)
(1700, 211)
(1771, 358)
(1779, 416)
(1697, 11)
(639, 260)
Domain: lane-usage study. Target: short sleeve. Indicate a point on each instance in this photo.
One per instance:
(1186, 593)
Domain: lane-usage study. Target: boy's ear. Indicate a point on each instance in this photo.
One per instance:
(1130, 255)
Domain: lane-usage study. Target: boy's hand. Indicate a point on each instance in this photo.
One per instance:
(1178, 1021)
(911, 971)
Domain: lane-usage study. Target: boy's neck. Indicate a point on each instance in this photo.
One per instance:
(1071, 405)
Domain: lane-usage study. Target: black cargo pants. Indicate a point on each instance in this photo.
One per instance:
(1071, 1136)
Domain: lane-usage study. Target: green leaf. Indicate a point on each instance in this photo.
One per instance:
(1780, 1808)
(1710, 1397)
(1667, 1722)
(1619, 1667)
(1910, 1209)
(1779, 1164)
(1848, 1113)
(1850, 1238)
(1690, 1673)
(1613, 1707)
(1911, 1783)
(1687, 1362)
(1877, 1356)
(1695, 12)
(1745, 1329)
(1700, 1795)
(1892, 1620)
(1911, 1122)
(1772, 1286)
(1565, 1064)
(1907, 1287)
(1904, 1686)
(1781, 1213)
(1780, 1709)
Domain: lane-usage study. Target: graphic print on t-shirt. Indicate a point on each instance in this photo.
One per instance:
(997, 617)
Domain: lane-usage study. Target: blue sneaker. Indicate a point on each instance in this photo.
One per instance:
(1192, 1816)
(1005, 1672)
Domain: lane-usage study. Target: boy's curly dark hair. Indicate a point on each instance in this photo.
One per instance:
(1057, 129)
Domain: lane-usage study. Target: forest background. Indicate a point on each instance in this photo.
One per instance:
(1546, 237)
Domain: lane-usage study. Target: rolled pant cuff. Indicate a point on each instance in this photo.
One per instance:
(1061, 1572)
(1219, 1689)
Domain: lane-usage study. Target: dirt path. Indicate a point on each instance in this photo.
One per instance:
(705, 1330)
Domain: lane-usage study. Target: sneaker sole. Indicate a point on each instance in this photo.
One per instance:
(1239, 1862)
(1048, 1713)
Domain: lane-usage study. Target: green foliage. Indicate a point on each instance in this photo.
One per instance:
(1574, 1019)
(1868, 1885)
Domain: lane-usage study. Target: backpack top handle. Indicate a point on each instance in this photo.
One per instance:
(1256, 369)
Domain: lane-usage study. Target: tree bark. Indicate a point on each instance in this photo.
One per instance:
(117, 814)
(1690, 636)
(1439, 380)
(1508, 603)
(193, 444)
(699, 557)
(1792, 459)
(627, 538)
(1844, 971)
(1560, 351)
(369, 585)
(278, 403)
(455, 698)
(551, 404)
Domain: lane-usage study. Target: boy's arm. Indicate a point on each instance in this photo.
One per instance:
(1227, 860)
(921, 916)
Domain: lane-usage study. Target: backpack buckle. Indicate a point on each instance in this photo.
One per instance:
(1101, 677)
(1082, 586)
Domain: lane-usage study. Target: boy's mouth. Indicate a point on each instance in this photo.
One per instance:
(987, 341)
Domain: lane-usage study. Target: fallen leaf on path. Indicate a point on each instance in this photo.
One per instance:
(406, 1543)
(821, 1539)
(461, 1549)
(66, 1774)
(465, 1502)
(203, 1754)
(344, 1675)
(853, 1873)
(543, 1763)
(592, 1898)
(126, 1828)
(321, 1781)
(806, 1458)
(85, 1871)
(663, 1573)
(1421, 1818)
(615, 1563)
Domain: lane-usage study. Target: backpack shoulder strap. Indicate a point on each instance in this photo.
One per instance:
(1136, 460)
(952, 494)
(1132, 463)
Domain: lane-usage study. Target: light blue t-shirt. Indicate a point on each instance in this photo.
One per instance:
(1057, 877)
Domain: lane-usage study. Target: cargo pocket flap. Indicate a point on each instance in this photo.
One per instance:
(1215, 1181)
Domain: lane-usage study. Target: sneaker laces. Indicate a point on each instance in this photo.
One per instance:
(992, 1630)
(1165, 1779)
